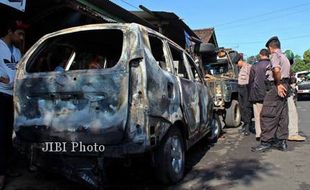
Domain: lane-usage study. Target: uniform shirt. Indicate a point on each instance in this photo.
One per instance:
(8, 61)
(244, 74)
(278, 59)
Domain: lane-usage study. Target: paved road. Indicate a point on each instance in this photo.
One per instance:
(228, 165)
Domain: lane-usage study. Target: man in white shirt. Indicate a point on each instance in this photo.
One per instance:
(9, 57)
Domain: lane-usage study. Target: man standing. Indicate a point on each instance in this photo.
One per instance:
(258, 88)
(293, 130)
(274, 115)
(243, 94)
(9, 57)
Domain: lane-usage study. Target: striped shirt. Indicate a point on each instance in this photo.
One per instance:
(244, 74)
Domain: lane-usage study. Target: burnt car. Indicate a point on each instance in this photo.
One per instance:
(222, 77)
(122, 86)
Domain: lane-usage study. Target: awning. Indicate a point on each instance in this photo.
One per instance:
(16, 4)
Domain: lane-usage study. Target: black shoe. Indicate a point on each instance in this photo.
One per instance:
(242, 130)
(263, 147)
(246, 133)
(257, 138)
(280, 145)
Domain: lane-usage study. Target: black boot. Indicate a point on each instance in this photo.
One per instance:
(246, 131)
(242, 130)
(280, 145)
(263, 147)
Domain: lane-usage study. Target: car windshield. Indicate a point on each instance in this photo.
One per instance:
(304, 76)
(95, 49)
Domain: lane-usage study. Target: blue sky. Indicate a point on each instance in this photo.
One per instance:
(241, 24)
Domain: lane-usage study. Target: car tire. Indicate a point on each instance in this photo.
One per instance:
(170, 158)
(233, 115)
(216, 129)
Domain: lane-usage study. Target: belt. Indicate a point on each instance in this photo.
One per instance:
(283, 80)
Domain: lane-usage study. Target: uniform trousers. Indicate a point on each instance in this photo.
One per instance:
(274, 116)
(245, 105)
(257, 108)
(6, 130)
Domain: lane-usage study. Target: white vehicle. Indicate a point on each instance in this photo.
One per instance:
(300, 76)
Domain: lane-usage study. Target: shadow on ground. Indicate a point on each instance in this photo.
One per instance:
(207, 167)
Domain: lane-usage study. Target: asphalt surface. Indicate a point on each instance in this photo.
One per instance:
(227, 165)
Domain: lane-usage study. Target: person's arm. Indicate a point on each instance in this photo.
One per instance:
(277, 78)
(252, 74)
(3, 77)
(276, 71)
(4, 80)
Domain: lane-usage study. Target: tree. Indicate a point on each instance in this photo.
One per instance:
(297, 57)
(300, 65)
(307, 56)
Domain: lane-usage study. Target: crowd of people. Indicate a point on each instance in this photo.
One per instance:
(267, 89)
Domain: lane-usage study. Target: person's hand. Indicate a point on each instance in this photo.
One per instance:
(281, 90)
(4, 80)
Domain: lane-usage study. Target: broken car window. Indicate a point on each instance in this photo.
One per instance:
(158, 52)
(193, 68)
(96, 49)
(179, 64)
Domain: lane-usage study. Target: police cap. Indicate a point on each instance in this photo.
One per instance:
(272, 39)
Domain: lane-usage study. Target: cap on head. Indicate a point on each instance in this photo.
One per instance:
(274, 38)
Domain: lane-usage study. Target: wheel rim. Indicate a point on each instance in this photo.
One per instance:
(176, 155)
(216, 128)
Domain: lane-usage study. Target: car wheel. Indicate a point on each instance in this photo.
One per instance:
(233, 116)
(216, 129)
(170, 158)
(299, 97)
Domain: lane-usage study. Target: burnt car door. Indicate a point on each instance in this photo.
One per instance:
(162, 85)
(188, 89)
(204, 96)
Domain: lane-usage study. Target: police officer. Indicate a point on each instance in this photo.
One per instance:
(243, 94)
(274, 115)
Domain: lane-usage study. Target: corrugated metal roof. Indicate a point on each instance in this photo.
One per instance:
(207, 35)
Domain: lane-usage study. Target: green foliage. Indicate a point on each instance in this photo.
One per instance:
(300, 65)
(307, 56)
(297, 57)
(289, 54)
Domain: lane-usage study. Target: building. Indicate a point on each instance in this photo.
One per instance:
(207, 35)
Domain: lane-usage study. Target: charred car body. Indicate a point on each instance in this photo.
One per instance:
(123, 86)
(222, 77)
